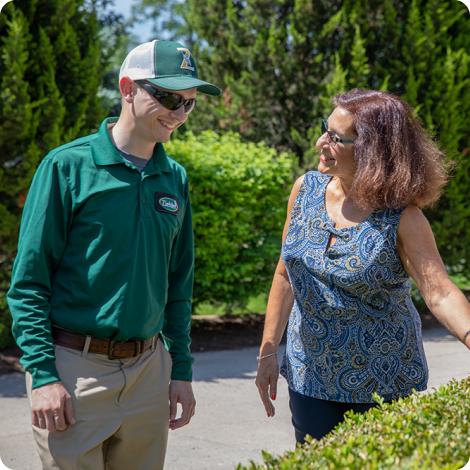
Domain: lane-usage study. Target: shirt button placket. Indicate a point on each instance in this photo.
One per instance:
(142, 200)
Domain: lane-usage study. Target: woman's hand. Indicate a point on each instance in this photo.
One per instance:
(266, 381)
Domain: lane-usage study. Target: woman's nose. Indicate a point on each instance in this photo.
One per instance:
(322, 141)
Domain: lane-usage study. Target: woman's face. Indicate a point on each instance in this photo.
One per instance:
(337, 158)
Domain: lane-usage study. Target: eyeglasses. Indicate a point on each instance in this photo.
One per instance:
(332, 136)
(169, 100)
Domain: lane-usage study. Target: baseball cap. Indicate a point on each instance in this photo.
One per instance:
(166, 64)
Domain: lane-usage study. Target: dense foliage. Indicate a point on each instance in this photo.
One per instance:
(51, 67)
(423, 431)
(239, 198)
(281, 61)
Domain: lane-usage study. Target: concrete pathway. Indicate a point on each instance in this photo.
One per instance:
(230, 425)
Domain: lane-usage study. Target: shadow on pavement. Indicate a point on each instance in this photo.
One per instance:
(438, 334)
(208, 367)
(228, 364)
(12, 385)
(211, 366)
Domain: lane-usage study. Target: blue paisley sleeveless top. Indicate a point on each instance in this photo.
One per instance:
(353, 329)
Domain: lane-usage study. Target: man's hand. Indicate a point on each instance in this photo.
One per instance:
(181, 392)
(51, 407)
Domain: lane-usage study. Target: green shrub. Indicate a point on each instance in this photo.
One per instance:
(239, 195)
(422, 431)
(46, 99)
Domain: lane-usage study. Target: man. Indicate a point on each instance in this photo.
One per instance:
(104, 274)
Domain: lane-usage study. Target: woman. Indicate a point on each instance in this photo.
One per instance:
(354, 235)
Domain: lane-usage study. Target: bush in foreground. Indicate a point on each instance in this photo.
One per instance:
(422, 431)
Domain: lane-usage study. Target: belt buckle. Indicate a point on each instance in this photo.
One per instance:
(111, 345)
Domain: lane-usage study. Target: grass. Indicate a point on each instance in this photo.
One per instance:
(256, 304)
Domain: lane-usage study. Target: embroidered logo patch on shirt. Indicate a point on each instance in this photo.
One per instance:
(166, 203)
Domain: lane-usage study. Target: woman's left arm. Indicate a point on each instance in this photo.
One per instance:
(418, 252)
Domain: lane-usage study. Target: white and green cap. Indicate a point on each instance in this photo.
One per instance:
(166, 64)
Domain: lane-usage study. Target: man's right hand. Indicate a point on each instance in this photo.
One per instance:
(51, 407)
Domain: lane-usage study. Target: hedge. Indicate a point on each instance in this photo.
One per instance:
(423, 431)
(239, 195)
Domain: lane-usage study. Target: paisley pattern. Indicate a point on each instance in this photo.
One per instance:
(353, 329)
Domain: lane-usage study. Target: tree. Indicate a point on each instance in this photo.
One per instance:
(281, 61)
(51, 69)
(169, 19)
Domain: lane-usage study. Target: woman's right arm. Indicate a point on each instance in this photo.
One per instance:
(280, 303)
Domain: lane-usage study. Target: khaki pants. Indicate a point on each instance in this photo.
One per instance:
(121, 407)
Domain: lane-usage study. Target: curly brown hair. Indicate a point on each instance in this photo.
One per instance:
(397, 161)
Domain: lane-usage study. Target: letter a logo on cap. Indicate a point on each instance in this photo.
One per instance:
(186, 64)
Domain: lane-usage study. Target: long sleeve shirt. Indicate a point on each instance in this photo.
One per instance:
(104, 250)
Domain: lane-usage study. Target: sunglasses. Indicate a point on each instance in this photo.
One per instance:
(332, 136)
(169, 100)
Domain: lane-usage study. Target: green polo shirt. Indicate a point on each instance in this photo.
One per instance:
(103, 250)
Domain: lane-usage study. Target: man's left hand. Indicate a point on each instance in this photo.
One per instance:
(181, 392)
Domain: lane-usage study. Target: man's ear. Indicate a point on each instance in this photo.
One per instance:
(126, 87)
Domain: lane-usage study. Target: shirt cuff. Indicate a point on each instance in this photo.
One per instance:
(182, 370)
(44, 373)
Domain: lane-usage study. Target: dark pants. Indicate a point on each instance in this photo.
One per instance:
(318, 417)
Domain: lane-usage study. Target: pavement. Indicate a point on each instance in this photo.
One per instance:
(230, 426)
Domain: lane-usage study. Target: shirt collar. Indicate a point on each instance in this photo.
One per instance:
(104, 151)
